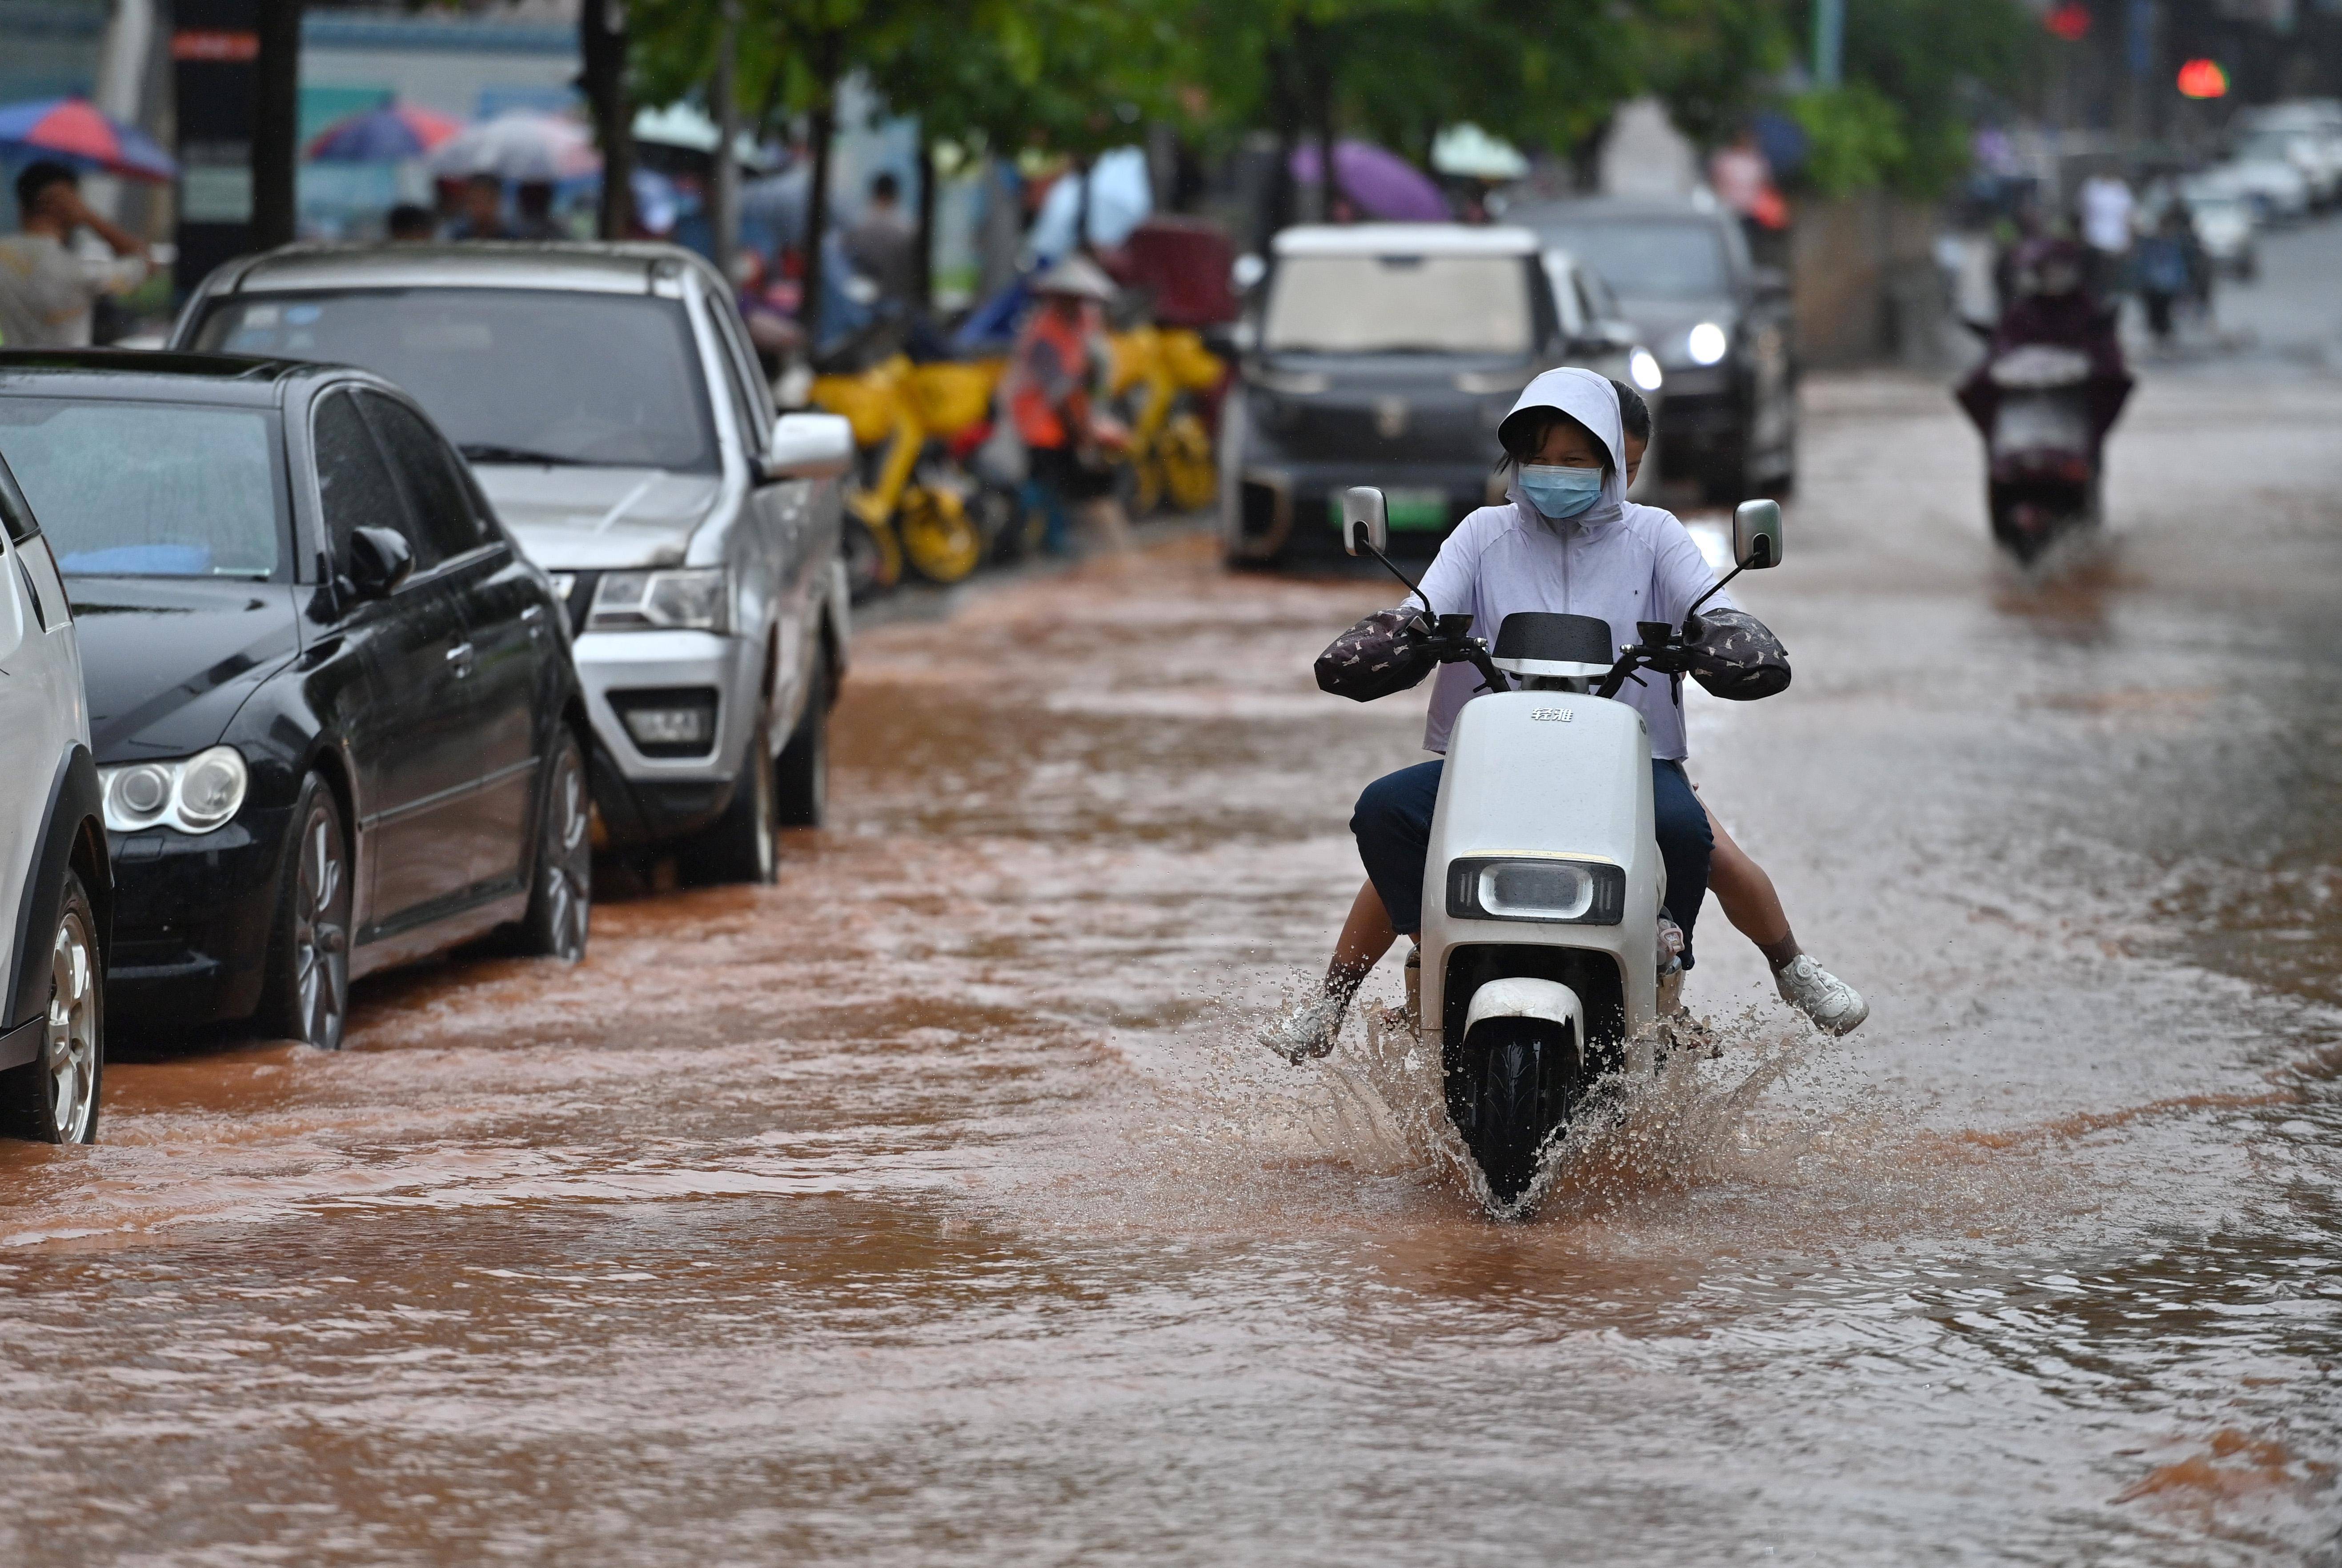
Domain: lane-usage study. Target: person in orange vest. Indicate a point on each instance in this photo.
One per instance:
(1056, 382)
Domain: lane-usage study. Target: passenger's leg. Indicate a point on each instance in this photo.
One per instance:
(1393, 825)
(1681, 825)
(1754, 907)
(1748, 898)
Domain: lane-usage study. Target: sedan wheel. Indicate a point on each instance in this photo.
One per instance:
(309, 997)
(560, 896)
(53, 1097)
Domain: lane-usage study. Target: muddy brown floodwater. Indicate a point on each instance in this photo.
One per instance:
(933, 1206)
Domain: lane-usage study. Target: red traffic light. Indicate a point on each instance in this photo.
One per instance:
(2070, 21)
(2203, 79)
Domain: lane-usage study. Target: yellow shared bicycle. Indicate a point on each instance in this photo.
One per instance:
(911, 507)
(1160, 374)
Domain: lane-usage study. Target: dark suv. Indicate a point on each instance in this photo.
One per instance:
(1388, 355)
(1722, 326)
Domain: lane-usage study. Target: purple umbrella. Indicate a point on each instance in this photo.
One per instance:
(1378, 182)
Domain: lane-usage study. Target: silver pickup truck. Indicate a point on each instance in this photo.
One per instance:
(607, 398)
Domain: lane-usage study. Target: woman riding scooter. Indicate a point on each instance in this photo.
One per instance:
(1564, 541)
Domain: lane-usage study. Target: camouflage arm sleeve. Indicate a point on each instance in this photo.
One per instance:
(1736, 656)
(1381, 654)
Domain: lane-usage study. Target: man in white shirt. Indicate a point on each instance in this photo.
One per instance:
(2106, 203)
(46, 288)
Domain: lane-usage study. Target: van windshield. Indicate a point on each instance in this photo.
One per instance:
(1399, 305)
(510, 375)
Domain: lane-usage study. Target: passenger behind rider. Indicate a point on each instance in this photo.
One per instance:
(1741, 887)
(1566, 541)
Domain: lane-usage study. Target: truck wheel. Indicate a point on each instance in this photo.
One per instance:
(561, 882)
(739, 845)
(308, 987)
(801, 785)
(53, 1098)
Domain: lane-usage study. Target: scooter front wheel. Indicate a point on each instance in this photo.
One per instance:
(1510, 1088)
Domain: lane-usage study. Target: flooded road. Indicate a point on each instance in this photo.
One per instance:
(934, 1205)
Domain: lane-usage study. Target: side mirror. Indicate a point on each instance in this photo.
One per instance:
(810, 446)
(1366, 521)
(380, 560)
(1756, 535)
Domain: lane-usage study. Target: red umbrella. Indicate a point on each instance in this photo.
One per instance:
(73, 130)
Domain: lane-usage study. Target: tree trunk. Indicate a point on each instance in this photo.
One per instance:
(1319, 72)
(724, 192)
(602, 54)
(821, 132)
(923, 246)
(276, 123)
(1082, 204)
(1283, 203)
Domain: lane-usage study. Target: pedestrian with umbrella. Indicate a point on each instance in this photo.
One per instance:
(48, 291)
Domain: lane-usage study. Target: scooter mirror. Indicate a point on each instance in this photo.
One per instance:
(1756, 534)
(1366, 520)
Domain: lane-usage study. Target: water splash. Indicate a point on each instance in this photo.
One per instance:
(1699, 1117)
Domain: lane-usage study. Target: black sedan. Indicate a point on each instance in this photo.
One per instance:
(334, 717)
(1722, 328)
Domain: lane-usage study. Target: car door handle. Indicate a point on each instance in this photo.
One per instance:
(460, 655)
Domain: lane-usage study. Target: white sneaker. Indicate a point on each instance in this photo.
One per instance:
(1835, 1007)
(1310, 1029)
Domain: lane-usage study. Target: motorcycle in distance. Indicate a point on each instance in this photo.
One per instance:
(2043, 463)
(1540, 951)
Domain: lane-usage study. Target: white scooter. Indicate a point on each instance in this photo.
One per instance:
(1540, 956)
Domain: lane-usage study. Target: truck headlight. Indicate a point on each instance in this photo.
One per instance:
(671, 599)
(1553, 891)
(195, 795)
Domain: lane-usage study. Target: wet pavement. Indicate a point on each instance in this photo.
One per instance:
(933, 1206)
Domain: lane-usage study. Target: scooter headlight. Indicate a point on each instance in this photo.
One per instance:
(1552, 891)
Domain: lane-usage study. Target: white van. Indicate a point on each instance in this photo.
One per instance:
(57, 886)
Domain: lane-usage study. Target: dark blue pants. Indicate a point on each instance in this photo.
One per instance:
(1392, 823)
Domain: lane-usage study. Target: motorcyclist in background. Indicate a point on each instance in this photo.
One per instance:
(1566, 541)
(2054, 306)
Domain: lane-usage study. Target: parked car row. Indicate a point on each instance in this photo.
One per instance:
(314, 689)
(1388, 353)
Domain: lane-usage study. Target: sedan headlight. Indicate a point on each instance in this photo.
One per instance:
(1566, 891)
(1643, 368)
(195, 795)
(678, 599)
(1706, 344)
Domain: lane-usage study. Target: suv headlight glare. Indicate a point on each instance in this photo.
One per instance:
(671, 599)
(1643, 367)
(1706, 344)
(193, 795)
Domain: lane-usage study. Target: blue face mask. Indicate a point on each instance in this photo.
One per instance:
(1559, 492)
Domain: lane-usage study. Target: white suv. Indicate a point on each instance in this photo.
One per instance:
(56, 884)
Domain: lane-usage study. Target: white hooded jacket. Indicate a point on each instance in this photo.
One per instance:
(1616, 561)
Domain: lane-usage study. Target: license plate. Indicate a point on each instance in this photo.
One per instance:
(1409, 510)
